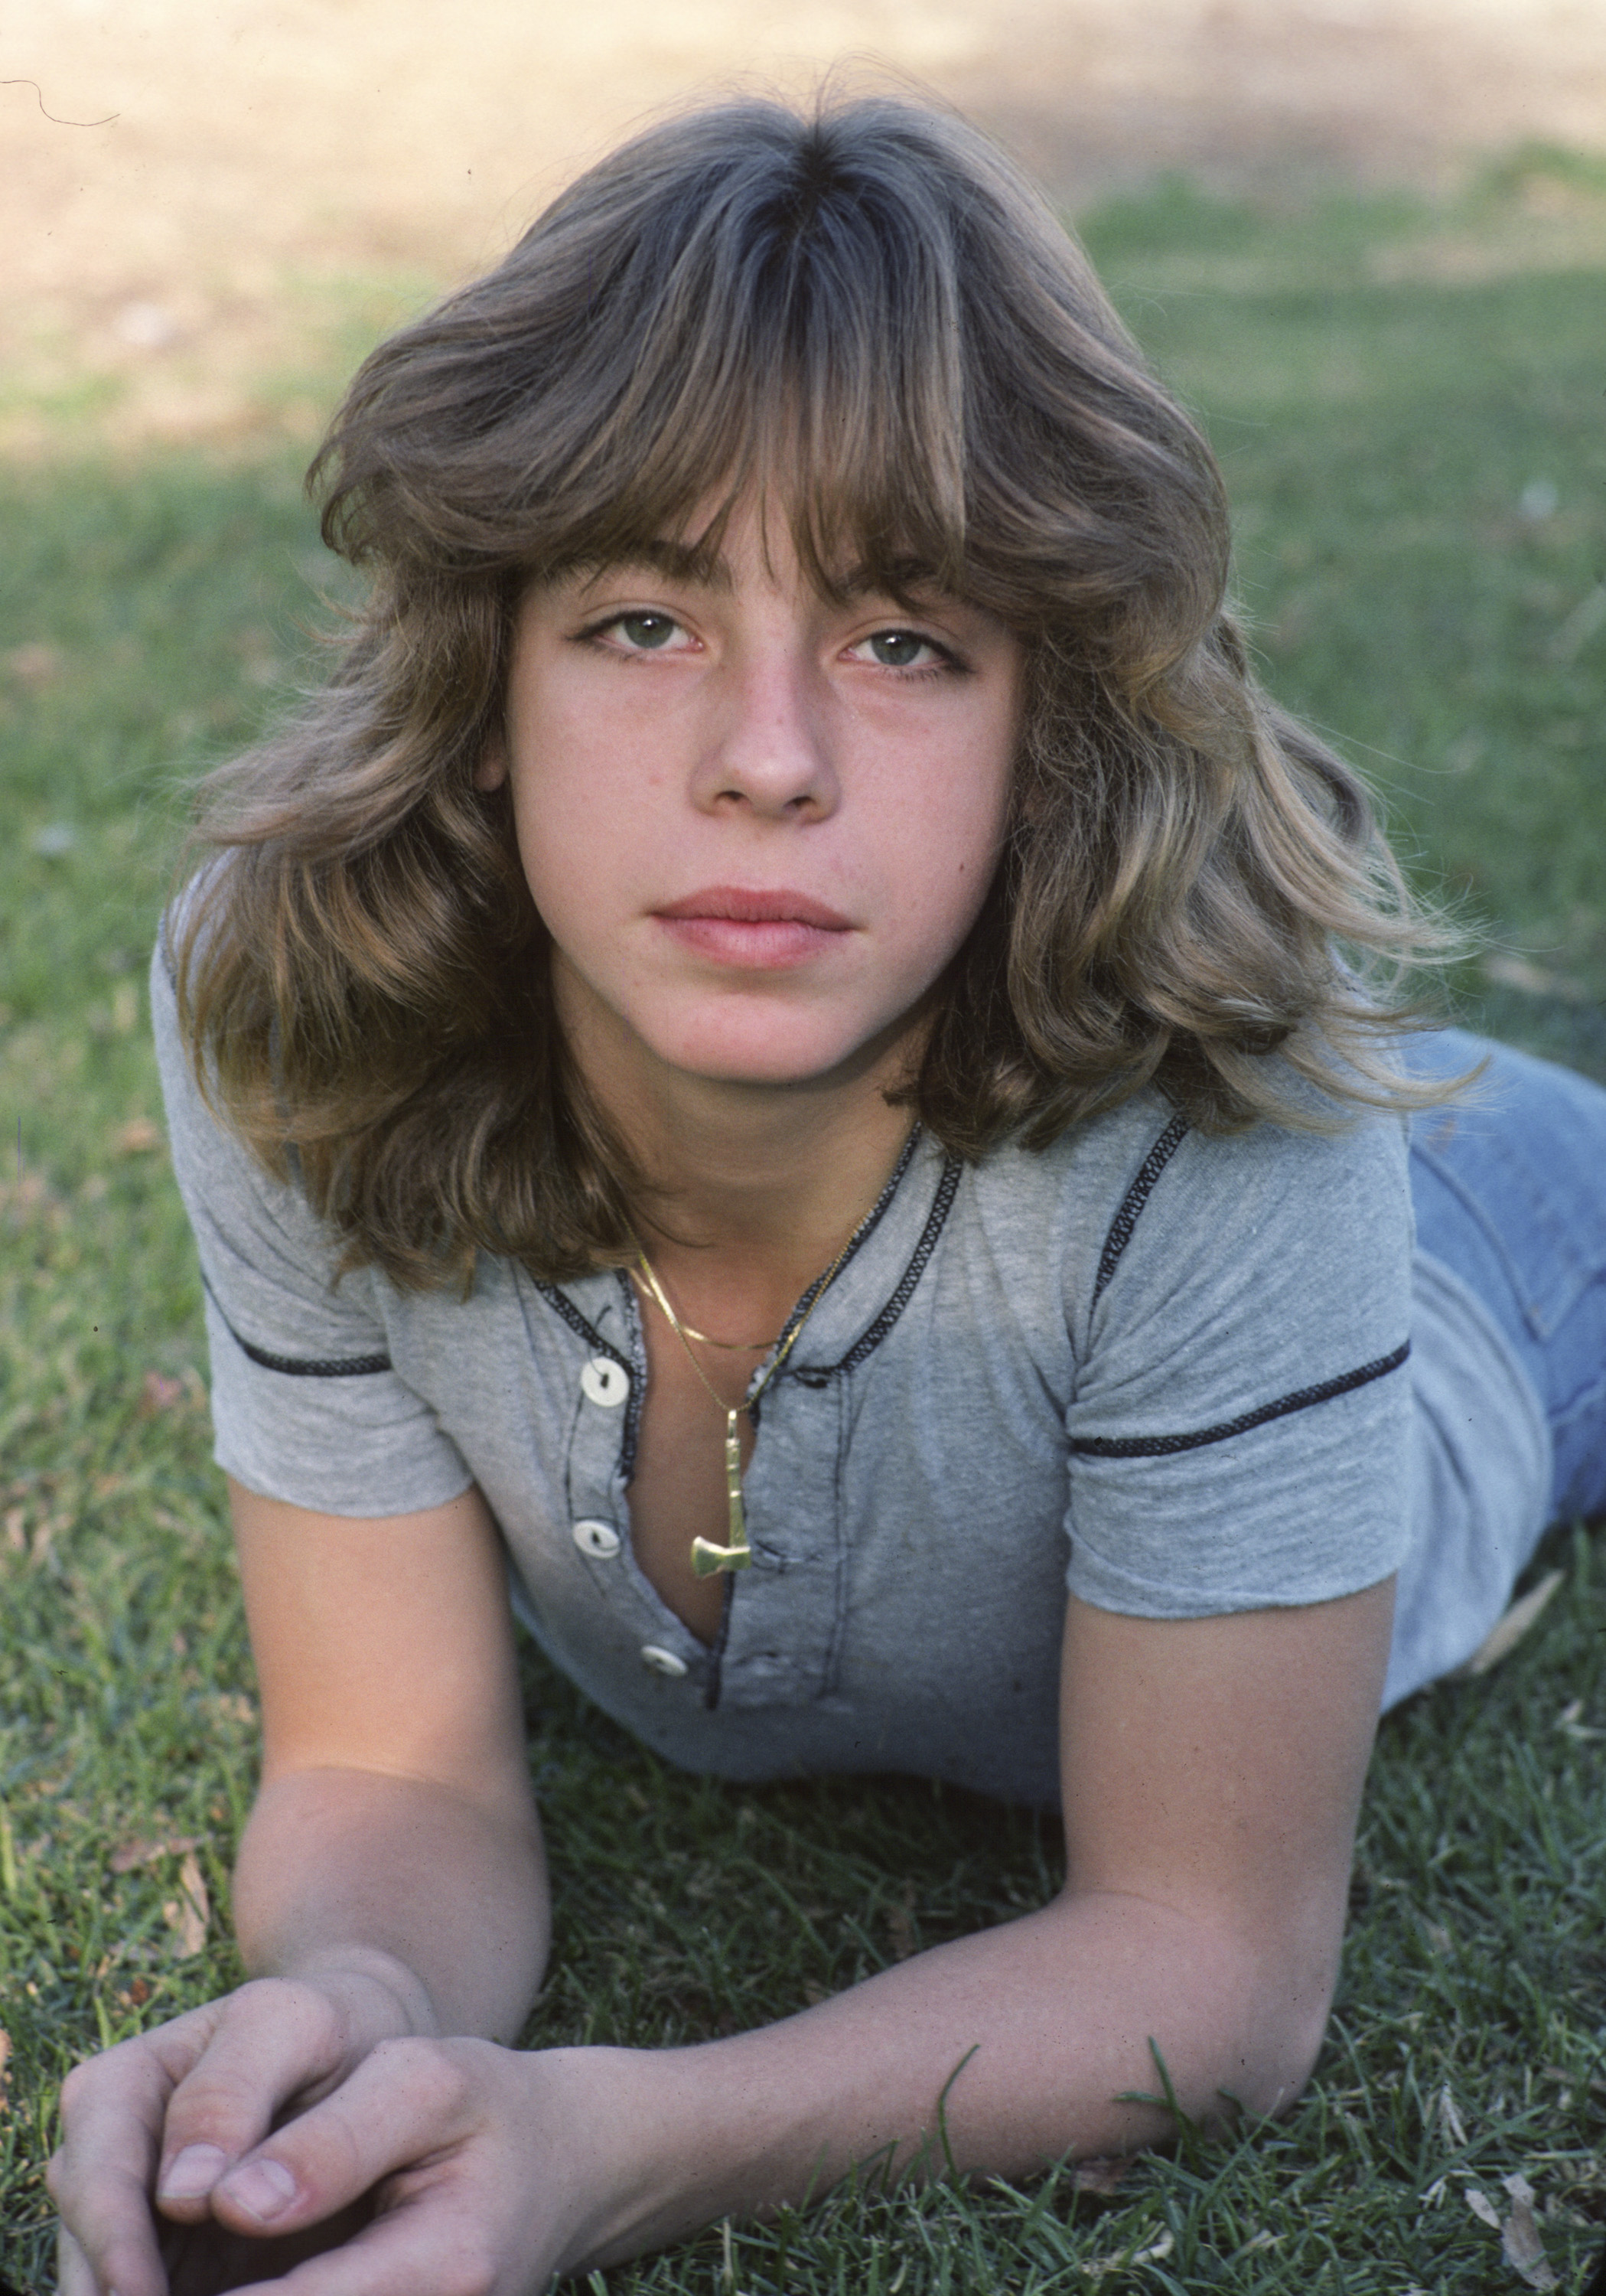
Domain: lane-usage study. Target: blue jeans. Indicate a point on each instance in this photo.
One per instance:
(1510, 1190)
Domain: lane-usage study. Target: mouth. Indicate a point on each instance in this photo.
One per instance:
(766, 931)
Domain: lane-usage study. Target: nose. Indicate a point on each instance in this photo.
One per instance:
(770, 750)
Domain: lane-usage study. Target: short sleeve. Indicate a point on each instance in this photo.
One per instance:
(305, 1404)
(1242, 1426)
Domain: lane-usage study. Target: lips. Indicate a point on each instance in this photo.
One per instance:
(741, 925)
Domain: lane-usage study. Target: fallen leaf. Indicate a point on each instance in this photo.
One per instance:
(1587, 618)
(900, 1925)
(1156, 2254)
(1455, 2127)
(187, 1915)
(157, 1392)
(141, 1850)
(1101, 2176)
(137, 1137)
(1534, 980)
(1483, 2208)
(35, 663)
(1099, 2267)
(1571, 1720)
(1509, 1631)
(1519, 2239)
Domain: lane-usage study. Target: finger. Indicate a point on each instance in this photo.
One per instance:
(112, 2112)
(274, 2041)
(405, 2103)
(73, 2274)
(118, 2249)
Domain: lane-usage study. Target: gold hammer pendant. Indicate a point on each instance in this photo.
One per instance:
(706, 1557)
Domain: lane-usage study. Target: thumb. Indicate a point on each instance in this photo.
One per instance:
(405, 2101)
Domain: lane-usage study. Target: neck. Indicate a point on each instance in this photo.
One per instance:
(766, 1180)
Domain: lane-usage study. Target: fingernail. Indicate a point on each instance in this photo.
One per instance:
(265, 2188)
(194, 2171)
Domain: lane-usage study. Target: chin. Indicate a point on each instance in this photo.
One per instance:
(751, 1053)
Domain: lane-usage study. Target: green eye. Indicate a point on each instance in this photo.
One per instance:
(897, 649)
(646, 631)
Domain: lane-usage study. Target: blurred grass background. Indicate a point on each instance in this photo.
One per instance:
(1406, 397)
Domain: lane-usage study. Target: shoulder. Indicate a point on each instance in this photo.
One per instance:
(1137, 1197)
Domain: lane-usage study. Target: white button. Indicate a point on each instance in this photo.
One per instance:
(660, 1660)
(598, 1538)
(605, 1381)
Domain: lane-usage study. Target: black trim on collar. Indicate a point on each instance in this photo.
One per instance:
(630, 1308)
(1131, 1204)
(1162, 1447)
(300, 1367)
(861, 1236)
(576, 1321)
(942, 1203)
(889, 1315)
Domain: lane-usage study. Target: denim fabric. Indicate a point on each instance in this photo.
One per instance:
(1509, 1192)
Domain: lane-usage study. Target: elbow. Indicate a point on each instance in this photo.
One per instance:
(1281, 2041)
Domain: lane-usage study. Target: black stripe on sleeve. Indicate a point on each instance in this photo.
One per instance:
(1136, 1196)
(316, 1366)
(303, 1366)
(1161, 1447)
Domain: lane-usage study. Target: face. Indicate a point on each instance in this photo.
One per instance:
(757, 824)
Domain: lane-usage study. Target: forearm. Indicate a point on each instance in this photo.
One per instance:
(443, 1903)
(1035, 2031)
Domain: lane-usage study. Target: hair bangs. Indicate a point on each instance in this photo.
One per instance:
(775, 315)
(792, 342)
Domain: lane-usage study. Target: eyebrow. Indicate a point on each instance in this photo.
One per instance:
(908, 586)
(682, 561)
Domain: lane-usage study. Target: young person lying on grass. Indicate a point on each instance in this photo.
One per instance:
(784, 1062)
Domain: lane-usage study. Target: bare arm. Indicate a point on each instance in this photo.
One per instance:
(390, 1881)
(396, 1824)
(1213, 1772)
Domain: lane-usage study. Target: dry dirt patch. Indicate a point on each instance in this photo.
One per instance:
(229, 163)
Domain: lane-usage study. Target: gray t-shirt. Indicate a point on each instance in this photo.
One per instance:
(1183, 1376)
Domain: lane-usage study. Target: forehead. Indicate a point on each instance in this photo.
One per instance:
(718, 553)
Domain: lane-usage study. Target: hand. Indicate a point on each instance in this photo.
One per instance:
(177, 2107)
(435, 2166)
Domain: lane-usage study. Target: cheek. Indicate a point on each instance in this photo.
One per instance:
(567, 816)
(951, 845)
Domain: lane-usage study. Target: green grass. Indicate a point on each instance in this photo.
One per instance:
(1383, 405)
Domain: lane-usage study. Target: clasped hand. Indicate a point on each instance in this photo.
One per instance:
(296, 2127)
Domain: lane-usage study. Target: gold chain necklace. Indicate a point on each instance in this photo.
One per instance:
(706, 1558)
